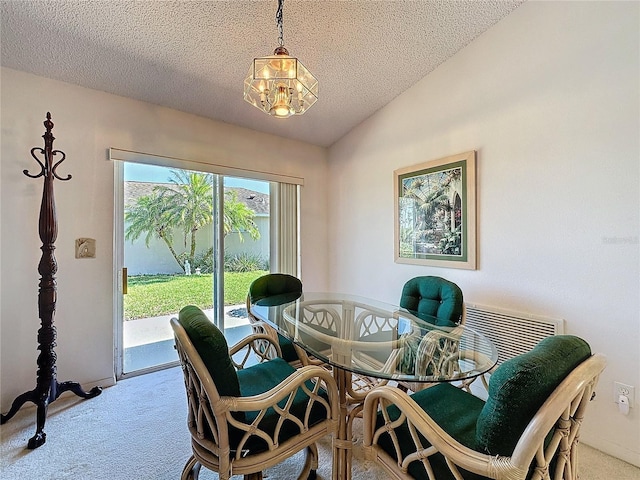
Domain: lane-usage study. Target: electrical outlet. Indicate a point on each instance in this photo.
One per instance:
(626, 390)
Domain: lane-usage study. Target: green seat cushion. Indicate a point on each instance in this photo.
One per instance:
(264, 376)
(275, 300)
(212, 347)
(433, 299)
(520, 386)
(454, 410)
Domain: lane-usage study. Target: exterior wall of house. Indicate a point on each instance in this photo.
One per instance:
(233, 245)
(549, 97)
(157, 259)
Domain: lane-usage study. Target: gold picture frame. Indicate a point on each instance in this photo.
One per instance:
(435, 212)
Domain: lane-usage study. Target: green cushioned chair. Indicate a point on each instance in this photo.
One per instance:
(244, 419)
(527, 428)
(273, 289)
(437, 301)
(431, 299)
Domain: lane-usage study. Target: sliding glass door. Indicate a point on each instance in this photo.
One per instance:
(186, 238)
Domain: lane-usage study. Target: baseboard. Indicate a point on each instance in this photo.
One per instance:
(615, 450)
(104, 383)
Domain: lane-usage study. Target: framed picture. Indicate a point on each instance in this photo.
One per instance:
(435, 212)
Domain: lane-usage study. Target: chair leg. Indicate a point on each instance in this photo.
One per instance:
(310, 463)
(253, 476)
(313, 450)
(191, 470)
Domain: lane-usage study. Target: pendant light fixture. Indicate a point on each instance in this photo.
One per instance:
(279, 84)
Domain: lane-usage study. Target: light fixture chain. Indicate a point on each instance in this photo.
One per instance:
(279, 21)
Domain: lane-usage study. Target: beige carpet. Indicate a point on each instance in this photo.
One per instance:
(137, 430)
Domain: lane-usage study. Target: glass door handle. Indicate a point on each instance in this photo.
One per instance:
(124, 280)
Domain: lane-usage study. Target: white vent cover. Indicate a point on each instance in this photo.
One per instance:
(513, 333)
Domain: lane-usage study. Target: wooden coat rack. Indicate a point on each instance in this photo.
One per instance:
(47, 387)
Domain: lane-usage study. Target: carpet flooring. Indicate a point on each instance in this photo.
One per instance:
(137, 430)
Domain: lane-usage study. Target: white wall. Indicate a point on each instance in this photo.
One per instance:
(87, 123)
(549, 98)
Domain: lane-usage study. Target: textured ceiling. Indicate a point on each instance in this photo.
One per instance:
(193, 55)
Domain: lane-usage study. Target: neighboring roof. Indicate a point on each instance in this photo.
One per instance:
(256, 201)
(135, 190)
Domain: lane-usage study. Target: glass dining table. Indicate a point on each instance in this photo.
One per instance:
(367, 343)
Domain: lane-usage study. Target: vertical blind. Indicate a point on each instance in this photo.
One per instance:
(285, 248)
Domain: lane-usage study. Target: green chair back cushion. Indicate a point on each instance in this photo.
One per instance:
(433, 298)
(275, 289)
(212, 347)
(520, 386)
(273, 285)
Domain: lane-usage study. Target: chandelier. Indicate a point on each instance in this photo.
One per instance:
(279, 84)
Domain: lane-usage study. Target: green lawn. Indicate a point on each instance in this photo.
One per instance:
(153, 295)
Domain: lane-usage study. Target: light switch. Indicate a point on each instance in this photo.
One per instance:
(85, 248)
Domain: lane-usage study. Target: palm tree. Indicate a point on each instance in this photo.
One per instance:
(238, 217)
(186, 203)
(148, 216)
(189, 201)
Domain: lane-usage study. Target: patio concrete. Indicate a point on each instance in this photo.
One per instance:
(148, 342)
(157, 329)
